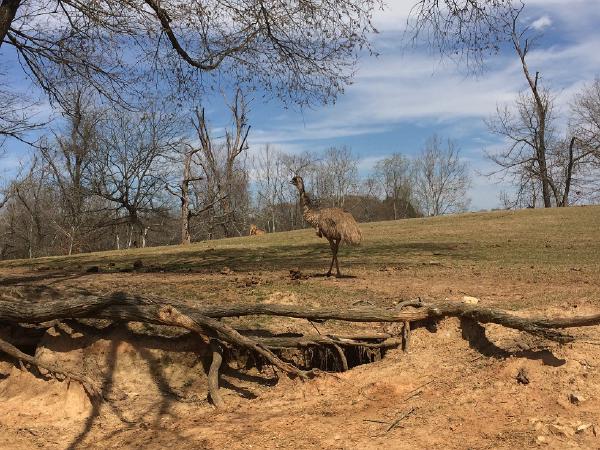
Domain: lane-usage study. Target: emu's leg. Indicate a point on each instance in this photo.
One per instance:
(333, 251)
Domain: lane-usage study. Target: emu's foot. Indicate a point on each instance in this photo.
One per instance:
(338, 275)
(328, 274)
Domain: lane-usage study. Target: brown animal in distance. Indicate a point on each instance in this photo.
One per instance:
(255, 231)
(335, 224)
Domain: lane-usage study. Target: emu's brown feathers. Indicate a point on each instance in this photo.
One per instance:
(333, 223)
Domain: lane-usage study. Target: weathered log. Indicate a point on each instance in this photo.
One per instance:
(122, 307)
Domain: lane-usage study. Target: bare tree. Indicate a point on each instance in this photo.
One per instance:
(224, 178)
(394, 176)
(272, 182)
(337, 176)
(529, 137)
(585, 124)
(586, 117)
(182, 190)
(126, 168)
(441, 178)
(69, 160)
(468, 30)
(537, 152)
(29, 210)
(304, 51)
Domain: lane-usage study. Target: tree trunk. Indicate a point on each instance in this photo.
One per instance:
(186, 214)
(144, 235)
(540, 110)
(568, 175)
(186, 237)
(8, 10)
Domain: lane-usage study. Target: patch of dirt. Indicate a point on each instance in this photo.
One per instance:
(283, 298)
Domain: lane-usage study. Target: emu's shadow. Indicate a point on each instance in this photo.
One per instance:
(324, 275)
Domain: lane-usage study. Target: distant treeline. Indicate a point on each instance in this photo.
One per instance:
(114, 179)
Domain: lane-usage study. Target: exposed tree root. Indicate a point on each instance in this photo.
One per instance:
(90, 387)
(213, 374)
(406, 336)
(342, 356)
(170, 315)
(203, 321)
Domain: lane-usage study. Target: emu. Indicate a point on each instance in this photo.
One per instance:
(336, 225)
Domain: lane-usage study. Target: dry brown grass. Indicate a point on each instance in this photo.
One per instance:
(519, 257)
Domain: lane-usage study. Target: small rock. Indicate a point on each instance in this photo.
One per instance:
(138, 264)
(581, 428)
(541, 439)
(226, 270)
(523, 376)
(576, 398)
(560, 430)
(470, 300)
(296, 274)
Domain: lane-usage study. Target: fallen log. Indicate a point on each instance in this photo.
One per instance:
(122, 307)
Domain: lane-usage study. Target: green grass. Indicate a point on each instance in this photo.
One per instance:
(551, 238)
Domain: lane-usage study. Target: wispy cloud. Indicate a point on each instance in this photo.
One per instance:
(541, 23)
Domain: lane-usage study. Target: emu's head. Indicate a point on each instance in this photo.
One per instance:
(298, 182)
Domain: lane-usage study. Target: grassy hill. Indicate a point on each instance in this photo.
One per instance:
(518, 257)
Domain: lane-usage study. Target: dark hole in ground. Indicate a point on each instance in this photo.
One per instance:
(327, 358)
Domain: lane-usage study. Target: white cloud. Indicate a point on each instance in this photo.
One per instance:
(542, 23)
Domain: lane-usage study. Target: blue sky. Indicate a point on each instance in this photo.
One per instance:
(403, 96)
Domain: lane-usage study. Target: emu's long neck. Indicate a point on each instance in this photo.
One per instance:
(309, 214)
(305, 201)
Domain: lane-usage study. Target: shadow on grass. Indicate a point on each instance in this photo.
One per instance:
(310, 258)
(48, 277)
